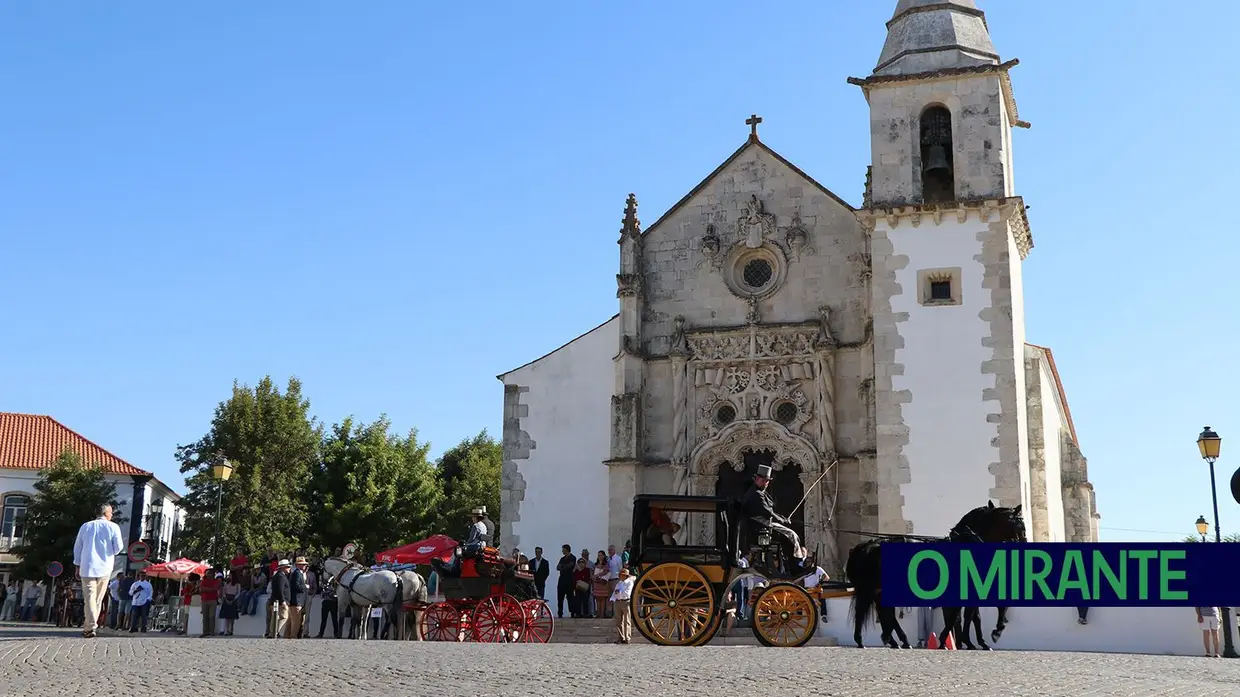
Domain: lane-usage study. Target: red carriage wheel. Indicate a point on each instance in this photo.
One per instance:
(539, 622)
(441, 622)
(498, 618)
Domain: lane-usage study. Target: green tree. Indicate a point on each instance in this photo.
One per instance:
(272, 443)
(67, 494)
(469, 475)
(1233, 537)
(373, 488)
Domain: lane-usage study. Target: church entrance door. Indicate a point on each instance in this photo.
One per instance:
(786, 489)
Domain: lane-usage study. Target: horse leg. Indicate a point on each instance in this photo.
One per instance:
(950, 616)
(895, 623)
(886, 622)
(977, 629)
(1000, 623)
(961, 629)
(863, 601)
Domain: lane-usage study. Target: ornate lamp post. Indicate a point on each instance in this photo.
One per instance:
(220, 472)
(1210, 444)
(1202, 527)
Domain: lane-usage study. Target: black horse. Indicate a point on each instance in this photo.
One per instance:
(987, 523)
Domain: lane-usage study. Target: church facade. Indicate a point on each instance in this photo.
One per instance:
(874, 356)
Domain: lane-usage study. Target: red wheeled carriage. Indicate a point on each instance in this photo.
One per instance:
(489, 602)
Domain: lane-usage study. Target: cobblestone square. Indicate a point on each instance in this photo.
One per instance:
(49, 662)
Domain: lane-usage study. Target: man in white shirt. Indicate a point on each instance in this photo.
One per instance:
(141, 593)
(94, 555)
(613, 572)
(620, 601)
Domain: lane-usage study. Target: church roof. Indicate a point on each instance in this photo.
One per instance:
(552, 352)
(1063, 397)
(752, 142)
(931, 35)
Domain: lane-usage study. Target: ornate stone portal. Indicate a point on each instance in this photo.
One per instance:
(755, 389)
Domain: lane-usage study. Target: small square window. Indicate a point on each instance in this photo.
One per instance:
(939, 286)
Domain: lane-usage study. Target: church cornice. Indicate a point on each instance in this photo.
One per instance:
(1001, 69)
(1011, 209)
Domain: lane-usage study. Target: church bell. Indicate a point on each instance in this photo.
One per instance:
(936, 160)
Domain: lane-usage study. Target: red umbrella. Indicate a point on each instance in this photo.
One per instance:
(178, 570)
(421, 552)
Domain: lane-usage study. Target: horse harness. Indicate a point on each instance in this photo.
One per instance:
(360, 573)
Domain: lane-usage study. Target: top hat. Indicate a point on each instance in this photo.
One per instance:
(765, 472)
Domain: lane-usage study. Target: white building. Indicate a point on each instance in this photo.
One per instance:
(765, 320)
(29, 443)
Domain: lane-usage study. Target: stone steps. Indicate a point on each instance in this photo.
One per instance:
(583, 631)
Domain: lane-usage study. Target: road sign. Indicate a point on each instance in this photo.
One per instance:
(55, 569)
(139, 551)
(349, 549)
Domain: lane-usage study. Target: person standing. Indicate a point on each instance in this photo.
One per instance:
(142, 593)
(328, 608)
(541, 570)
(1207, 619)
(564, 585)
(209, 593)
(279, 598)
(299, 597)
(620, 601)
(94, 556)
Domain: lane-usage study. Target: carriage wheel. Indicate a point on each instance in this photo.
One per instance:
(441, 622)
(784, 615)
(539, 622)
(674, 605)
(498, 618)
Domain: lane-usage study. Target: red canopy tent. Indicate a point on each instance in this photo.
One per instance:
(420, 552)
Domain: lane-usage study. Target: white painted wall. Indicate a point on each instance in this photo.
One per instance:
(949, 450)
(1158, 630)
(569, 420)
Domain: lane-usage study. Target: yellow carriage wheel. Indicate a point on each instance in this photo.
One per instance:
(673, 605)
(784, 615)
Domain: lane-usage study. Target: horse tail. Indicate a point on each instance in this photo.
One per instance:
(862, 572)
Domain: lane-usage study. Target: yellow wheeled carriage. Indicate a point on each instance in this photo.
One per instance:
(679, 591)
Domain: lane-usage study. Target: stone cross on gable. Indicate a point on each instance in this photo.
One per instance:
(753, 122)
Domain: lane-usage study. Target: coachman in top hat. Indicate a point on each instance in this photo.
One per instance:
(758, 506)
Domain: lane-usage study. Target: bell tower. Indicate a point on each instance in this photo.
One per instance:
(948, 235)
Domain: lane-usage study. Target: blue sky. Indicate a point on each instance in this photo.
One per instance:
(397, 201)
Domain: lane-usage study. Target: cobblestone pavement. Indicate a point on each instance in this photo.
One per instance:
(50, 662)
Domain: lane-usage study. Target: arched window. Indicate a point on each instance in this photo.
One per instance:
(938, 181)
(13, 522)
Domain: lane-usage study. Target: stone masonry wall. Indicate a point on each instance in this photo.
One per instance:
(1008, 395)
(978, 137)
(516, 445)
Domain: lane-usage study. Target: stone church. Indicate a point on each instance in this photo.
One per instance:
(874, 355)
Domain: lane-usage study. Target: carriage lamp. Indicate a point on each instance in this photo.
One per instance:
(1210, 444)
(1202, 527)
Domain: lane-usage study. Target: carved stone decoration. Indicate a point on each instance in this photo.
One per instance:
(753, 316)
(796, 239)
(716, 348)
(628, 284)
(825, 338)
(733, 440)
(680, 487)
(710, 247)
(756, 223)
(680, 347)
(737, 380)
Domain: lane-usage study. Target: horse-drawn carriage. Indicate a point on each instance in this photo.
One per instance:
(679, 591)
(486, 599)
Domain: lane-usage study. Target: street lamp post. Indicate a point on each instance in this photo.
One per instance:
(1210, 444)
(220, 472)
(1202, 527)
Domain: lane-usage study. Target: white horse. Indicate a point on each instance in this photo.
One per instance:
(414, 591)
(361, 589)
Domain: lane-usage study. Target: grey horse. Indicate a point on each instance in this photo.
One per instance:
(361, 589)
